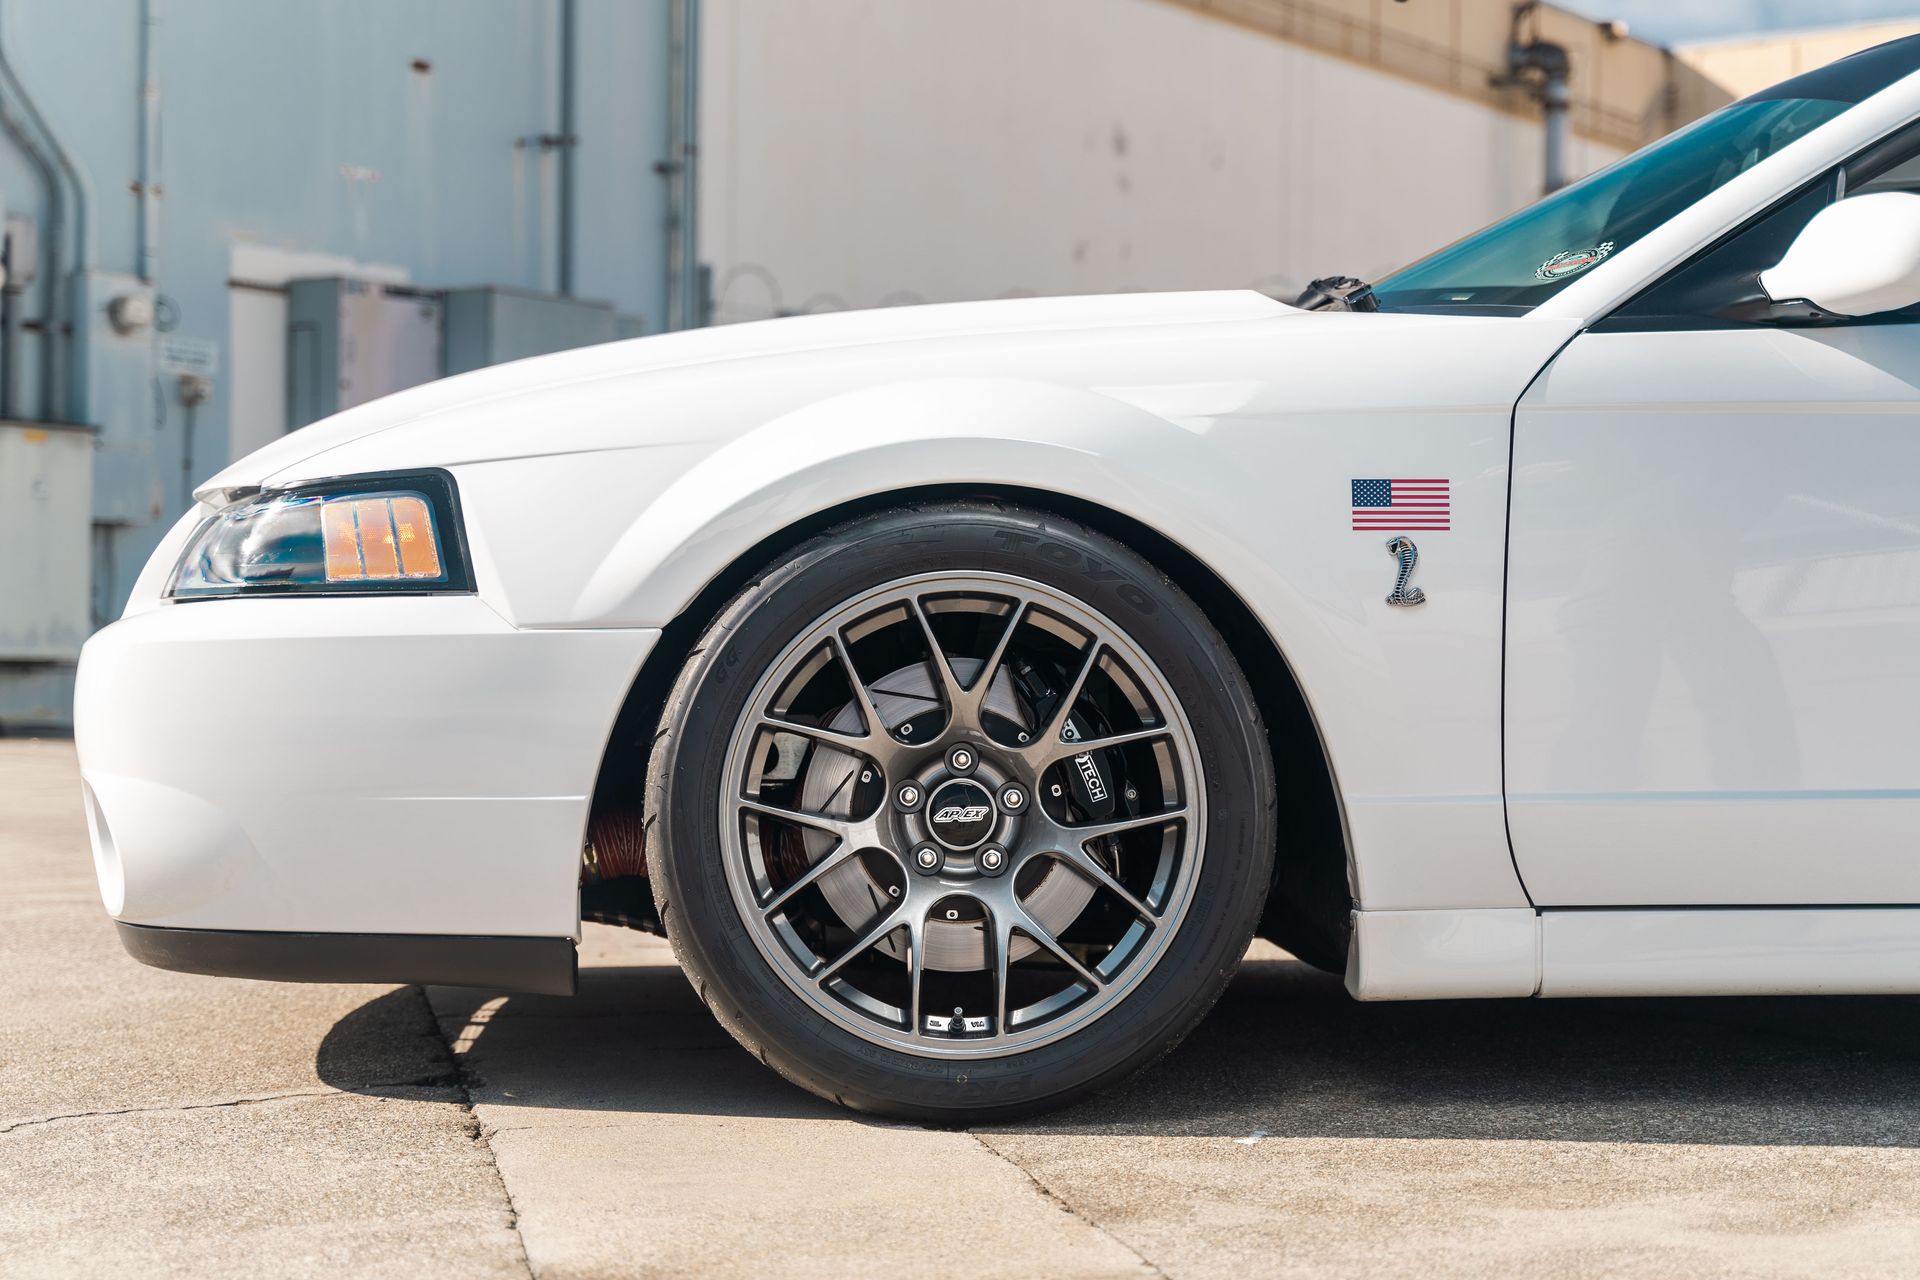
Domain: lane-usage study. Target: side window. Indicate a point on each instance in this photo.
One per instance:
(1896, 171)
(1720, 287)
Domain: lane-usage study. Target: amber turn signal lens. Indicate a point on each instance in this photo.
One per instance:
(379, 539)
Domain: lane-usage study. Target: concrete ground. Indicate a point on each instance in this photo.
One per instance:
(159, 1124)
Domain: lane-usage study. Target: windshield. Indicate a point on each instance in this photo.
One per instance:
(1522, 260)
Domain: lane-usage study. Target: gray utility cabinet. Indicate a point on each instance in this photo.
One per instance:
(490, 325)
(350, 341)
(46, 496)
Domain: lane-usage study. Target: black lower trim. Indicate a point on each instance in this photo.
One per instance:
(540, 966)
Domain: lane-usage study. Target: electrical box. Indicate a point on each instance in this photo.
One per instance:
(136, 466)
(491, 325)
(46, 498)
(351, 341)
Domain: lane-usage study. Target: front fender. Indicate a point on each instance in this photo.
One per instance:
(901, 436)
(1248, 477)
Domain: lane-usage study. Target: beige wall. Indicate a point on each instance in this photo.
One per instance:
(1748, 65)
(859, 153)
(1626, 92)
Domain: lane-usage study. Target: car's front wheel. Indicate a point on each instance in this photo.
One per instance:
(959, 812)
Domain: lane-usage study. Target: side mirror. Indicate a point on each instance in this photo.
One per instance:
(1858, 257)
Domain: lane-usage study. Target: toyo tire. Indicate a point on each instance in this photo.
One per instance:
(1167, 906)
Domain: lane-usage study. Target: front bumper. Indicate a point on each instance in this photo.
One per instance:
(543, 966)
(410, 766)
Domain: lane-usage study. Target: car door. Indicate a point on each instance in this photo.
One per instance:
(1713, 638)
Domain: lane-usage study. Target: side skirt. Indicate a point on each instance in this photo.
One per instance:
(540, 966)
(1654, 951)
(1444, 955)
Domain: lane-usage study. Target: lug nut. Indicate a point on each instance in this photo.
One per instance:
(961, 760)
(927, 858)
(908, 796)
(993, 860)
(1013, 799)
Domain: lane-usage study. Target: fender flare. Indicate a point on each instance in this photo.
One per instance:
(907, 435)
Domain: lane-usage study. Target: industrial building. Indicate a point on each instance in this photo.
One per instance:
(227, 218)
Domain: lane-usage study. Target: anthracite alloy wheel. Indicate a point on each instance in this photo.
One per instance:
(958, 812)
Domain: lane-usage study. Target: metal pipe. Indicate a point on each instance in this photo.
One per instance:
(10, 321)
(1543, 69)
(69, 403)
(9, 355)
(567, 143)
(684, 310)
(1554, 99)
(149, 193)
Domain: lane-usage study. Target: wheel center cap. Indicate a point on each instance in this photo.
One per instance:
(960, 814)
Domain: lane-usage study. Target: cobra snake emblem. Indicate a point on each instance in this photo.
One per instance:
(1409, 555)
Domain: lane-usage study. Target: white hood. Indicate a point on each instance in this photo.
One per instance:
(797, 334)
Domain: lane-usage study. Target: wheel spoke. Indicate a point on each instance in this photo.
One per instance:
(1087, 865)
(1049, 737)
(886, 924)
(1002, 962)
(1029, 926)
(1095, 830)
(800, 817)
(916, 966)
(860, 744)
(835, 857)
(1050, 753)
(975, 696)
(876, 727)
(942, 668)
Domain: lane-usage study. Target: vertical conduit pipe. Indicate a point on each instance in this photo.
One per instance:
(50, 270)
(149, 232)
(1554, 100)
(682, 168)
(568, 142)
(64, 402)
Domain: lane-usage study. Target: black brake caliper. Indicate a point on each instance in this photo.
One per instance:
(1091, 784)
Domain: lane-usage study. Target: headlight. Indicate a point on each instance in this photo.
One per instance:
(354, 536)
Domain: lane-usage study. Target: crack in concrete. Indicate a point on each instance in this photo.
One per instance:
(463, 1081)
(1153, 1268)
(369, 1088)
(160, 1107)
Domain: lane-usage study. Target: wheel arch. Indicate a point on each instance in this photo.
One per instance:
(1309, 904)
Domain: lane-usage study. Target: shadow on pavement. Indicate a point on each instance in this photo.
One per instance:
(1286, 1052)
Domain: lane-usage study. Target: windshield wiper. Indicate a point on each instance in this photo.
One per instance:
(1342, 293)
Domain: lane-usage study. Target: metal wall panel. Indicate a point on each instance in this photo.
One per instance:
(489, 326)
(46, 492)
(406, 139)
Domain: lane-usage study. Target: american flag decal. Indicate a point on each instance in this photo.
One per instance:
(1395, 505)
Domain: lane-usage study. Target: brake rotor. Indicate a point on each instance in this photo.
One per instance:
(856, 896)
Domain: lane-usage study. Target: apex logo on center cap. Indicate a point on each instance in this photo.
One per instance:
(960, 814)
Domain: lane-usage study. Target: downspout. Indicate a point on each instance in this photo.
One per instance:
(568, 142)
(1542, 68)
(681, 168)
(149, 191)
(9, 304)
(1554, 100)
(68, 405)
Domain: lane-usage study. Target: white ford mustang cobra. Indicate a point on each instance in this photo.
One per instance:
(961, 688)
